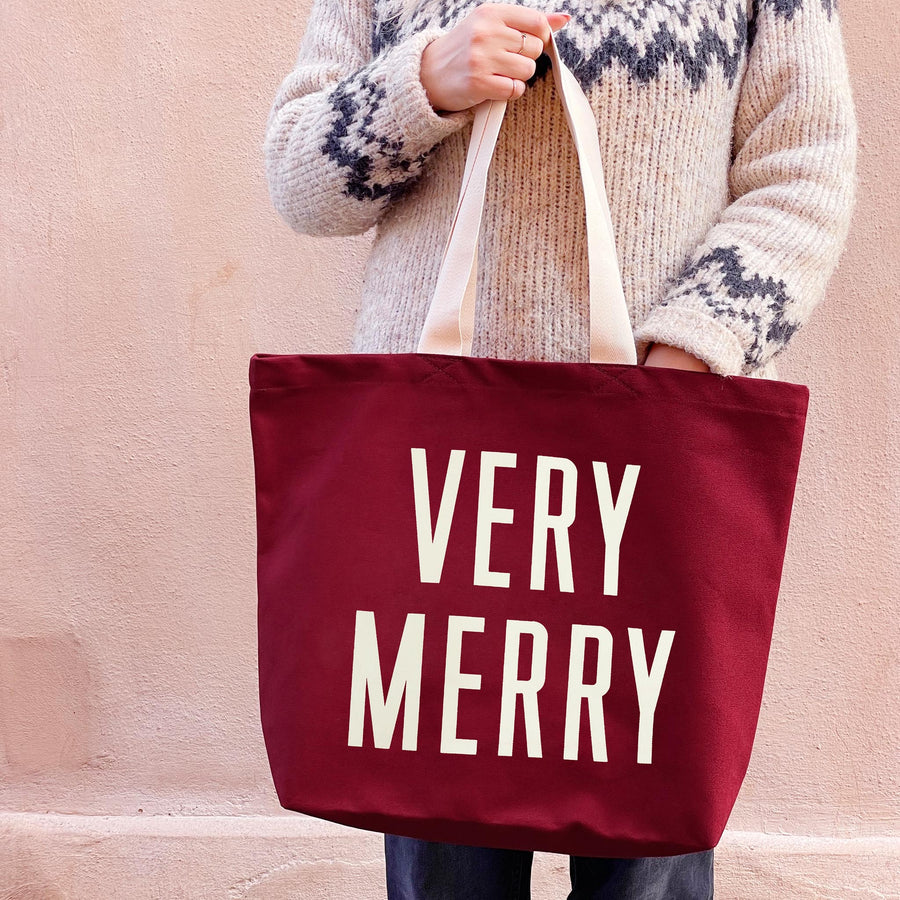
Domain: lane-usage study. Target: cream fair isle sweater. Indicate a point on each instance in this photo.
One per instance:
(728, 135)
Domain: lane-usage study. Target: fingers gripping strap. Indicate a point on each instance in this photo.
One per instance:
(450, 320)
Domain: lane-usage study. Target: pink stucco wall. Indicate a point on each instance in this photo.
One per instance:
(142, 265)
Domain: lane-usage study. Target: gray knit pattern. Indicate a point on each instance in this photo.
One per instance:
(729, 139)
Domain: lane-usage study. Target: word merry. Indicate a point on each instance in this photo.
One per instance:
(406, 681)
(434, 537)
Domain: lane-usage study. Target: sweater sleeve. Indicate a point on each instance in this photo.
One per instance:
(763, 267)
(349, 129)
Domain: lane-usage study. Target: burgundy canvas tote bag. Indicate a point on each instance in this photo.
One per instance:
(518, 604)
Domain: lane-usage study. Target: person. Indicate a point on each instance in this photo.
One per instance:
(728, 135)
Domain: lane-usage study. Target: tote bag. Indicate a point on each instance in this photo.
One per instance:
(510, 603)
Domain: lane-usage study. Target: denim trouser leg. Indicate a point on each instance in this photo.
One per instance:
(427, 870)
(685, 877)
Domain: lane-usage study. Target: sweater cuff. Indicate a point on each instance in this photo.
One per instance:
(417, 120)
(699, 334)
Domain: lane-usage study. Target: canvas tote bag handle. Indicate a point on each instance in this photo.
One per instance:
(450, 321)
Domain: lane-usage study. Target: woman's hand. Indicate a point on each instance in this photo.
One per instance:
(674, 358)
(476, 59)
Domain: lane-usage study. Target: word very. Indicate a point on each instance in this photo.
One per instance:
(433, 537)
(406, 681)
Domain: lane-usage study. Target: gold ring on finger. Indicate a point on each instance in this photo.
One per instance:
(522, 48)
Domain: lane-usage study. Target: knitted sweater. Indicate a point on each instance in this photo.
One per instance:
(728, 135)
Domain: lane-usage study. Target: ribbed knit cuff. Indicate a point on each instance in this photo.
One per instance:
(421, 126)
(699, 334)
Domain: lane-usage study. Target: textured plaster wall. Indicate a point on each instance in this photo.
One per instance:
(141, 267)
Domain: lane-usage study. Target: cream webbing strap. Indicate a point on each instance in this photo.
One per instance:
(450, 321)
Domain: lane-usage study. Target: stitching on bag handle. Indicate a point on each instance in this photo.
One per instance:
(440, 369)
(617, 378)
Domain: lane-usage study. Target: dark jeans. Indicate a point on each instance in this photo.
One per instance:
(424, 870)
